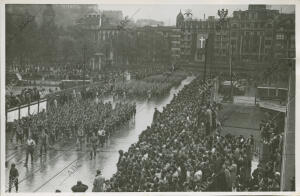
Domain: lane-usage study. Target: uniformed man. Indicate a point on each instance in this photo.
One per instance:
(30, 144)
(101, 137)
(80, 137)
(44, 142)
(93, 141)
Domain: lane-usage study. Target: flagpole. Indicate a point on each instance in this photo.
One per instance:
(205, 60)
(241, 45)
(230, 61)
(230, 69)
(259, 49)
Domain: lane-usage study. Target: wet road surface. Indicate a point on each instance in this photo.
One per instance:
(63, 167)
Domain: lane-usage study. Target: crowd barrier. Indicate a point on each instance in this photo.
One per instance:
(32, 108)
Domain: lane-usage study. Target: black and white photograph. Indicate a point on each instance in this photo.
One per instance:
(149, 98)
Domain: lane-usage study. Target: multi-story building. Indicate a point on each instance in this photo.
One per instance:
(259, 35)
(173, 35)
(98, 26)
(101, 28)
(111, 17)
(253, 38)
(168, 37)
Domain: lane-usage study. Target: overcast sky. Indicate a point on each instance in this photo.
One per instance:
(168, 13)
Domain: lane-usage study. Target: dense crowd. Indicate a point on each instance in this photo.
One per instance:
(152, 86)
(27, 95)
(267, 175)
(183, 150)
(77, 118)
(75, 72)
(49, 72)
(143, 71)
(156, 85)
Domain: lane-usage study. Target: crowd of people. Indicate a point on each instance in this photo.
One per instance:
(152, 86)
(80, 119)
(266, 177)
(27, 95)
(49, 72)
(56, 73)
(142, 71)
(183, 150)
(75, 72)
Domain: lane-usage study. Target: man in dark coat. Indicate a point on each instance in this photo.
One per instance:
(94, 141)
(44, 142)
(13, 177)
(219, 182)
(79, 187)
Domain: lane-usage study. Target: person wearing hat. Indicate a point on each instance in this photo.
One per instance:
(98, 182)
(13, 177)
(79, 187)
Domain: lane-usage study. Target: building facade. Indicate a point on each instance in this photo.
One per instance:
(173, 35)
(111, 17)
(101, 27)
(255, 37)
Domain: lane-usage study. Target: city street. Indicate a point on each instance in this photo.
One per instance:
(61, 168)
(149, 98)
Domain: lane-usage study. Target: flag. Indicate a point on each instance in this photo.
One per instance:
(201, 39)
(200, 44)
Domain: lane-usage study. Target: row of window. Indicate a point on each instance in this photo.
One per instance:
(235, 50)
(198, 26)
(252, 25)
(246, 15)
(268, 35)
(235, 44)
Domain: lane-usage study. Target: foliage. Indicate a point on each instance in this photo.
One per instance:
(37, 40)
(34, 37)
